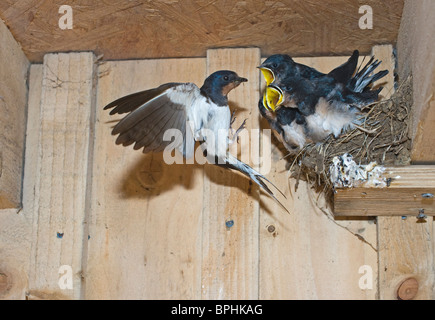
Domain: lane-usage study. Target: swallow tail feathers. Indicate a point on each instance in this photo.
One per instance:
(364, 78)
(233, 163)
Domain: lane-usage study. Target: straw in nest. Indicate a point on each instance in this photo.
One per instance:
(382, 138)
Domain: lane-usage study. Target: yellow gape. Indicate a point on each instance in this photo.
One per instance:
(268, 75)
(273, 98)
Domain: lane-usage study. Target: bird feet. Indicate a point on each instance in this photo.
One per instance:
(236, 134)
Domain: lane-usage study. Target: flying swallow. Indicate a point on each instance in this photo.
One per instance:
(199, 114)
(324, 104)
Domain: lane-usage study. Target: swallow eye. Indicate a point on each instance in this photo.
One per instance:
(274, 65)
(226, 78)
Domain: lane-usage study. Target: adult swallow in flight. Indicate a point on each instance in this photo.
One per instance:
(323, 104)
(200, 114)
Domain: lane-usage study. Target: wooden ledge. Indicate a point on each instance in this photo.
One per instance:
(409, 193)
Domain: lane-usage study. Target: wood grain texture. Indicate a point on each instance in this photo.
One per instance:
(405, 246)
(146, 216)
(61, 166)
(403, 196)
(405, 250)
(122, 29)
(310, 254)
(416, 57)
(230, 254)
(13, 101)
(159, 232)
(15, 225)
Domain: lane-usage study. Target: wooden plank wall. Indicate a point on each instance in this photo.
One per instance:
(230, 254)
(131, 226)
(61, 165)
(156, 231)
(146, 217)
(13, 100)
(310, 254)
(15, 235)
(416, 57)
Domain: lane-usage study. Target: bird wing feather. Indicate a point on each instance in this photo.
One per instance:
(152, 113)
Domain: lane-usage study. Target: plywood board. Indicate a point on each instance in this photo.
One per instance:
(187, 28)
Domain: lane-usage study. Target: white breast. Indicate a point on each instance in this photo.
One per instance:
(217, 127)
(210, 123)
(329, 119)
(294, 137)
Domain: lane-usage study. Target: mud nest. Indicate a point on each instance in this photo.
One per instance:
(383, 137)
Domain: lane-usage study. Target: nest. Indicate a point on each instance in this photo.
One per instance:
(383, 137)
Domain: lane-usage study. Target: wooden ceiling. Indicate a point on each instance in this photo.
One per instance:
(131, 29)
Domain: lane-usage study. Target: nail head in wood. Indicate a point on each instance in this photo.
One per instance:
(271, 228)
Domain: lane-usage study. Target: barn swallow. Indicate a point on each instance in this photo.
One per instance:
(324, 104)
(281, 66)
(200, 114)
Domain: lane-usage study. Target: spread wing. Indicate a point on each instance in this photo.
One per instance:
(152, 113)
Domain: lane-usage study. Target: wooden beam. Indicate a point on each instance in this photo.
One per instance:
(411, 191)
(61, 168)
(405, 247)
(416, 57)
(13, 101)
(16, 225)
(178, 28)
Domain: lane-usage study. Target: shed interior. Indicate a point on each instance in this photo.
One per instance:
(83, 218)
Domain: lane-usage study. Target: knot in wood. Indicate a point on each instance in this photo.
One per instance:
(5, 283)
(408, 289)
(151, 173)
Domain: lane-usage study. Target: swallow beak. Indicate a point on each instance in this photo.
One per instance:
(239, 80)
(268, 75)
(273, 97)
(233, 84)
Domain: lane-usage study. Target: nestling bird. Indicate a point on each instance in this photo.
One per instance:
(321, 104)
(199, 114)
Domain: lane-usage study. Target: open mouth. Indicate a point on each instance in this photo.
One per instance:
(273, 98)
(268, 75)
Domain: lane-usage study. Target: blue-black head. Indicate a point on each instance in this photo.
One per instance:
(275, 65)
(219, 84)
